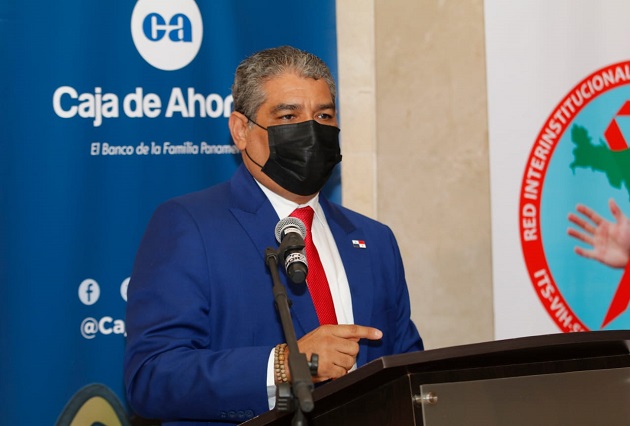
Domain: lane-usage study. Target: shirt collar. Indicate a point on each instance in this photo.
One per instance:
(284, 207)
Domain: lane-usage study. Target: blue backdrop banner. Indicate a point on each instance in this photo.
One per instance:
(108, 109)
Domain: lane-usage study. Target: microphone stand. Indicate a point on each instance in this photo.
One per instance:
(301, 370)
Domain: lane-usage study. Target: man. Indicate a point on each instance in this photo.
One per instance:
(204, 336)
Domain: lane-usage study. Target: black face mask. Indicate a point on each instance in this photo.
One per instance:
(302, 156)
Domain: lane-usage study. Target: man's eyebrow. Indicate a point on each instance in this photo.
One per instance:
(295, 107)
(330, 105)
(285, 107)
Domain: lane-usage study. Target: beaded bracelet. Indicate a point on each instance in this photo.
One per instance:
(279, 366)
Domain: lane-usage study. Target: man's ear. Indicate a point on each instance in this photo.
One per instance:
(239, 129)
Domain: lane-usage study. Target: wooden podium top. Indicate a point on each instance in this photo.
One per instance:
(502, 358)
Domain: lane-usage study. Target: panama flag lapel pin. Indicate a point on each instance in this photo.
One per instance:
(358, 244)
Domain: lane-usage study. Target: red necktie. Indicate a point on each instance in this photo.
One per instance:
(316, 277)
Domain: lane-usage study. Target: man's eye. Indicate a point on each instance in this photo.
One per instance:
(324, 116)
(287, 117)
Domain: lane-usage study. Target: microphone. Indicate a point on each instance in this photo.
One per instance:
(290, 233)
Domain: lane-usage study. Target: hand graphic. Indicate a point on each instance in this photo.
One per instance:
(610, 241)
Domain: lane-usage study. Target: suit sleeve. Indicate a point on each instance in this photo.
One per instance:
(407, 337)
(173, 367)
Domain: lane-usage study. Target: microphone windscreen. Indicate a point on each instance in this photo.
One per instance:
(288, 223)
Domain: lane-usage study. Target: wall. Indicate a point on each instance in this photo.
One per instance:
(415, 144)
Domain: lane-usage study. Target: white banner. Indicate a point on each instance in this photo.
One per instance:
(558, 91)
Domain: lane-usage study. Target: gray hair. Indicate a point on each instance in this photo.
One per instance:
(261, 67)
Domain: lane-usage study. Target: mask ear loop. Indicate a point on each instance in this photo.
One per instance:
(264, 128)
(251, 159)
(247, 153)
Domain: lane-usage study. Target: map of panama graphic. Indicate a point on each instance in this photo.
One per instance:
(615, 165)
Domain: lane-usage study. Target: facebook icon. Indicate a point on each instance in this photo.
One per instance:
(89, 292)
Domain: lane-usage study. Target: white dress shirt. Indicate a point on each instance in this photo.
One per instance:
(331, 261)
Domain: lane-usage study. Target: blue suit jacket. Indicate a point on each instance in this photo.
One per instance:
(201, 320)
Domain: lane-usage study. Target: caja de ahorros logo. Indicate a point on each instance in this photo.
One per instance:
(167, 33)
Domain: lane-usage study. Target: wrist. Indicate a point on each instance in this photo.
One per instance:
(280, 358)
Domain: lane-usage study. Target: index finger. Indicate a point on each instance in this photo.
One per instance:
(590, 213)
(350, 331)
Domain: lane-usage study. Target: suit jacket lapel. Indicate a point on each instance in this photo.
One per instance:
(252, 210)
(258, 218)
(356, 263)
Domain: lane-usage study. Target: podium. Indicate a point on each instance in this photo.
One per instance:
(557, 379)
